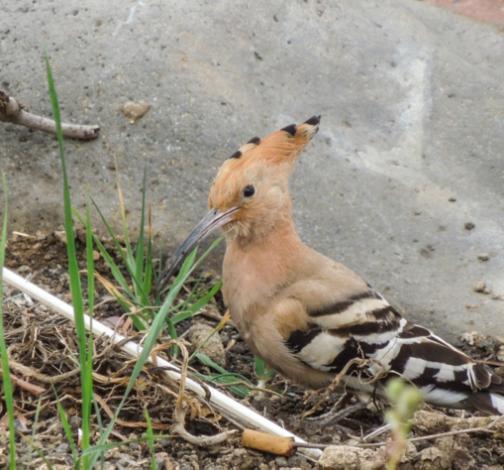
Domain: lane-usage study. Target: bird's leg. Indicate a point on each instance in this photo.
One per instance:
(341, 414)
(377, 432)
(342, 401)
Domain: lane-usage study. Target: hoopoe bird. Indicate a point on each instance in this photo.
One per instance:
(307, 316)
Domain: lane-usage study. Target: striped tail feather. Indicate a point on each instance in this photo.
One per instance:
(445, 375)
(491, 402)
(365, 327)
(497, 402)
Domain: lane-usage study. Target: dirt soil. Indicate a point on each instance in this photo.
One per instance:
(43, 354)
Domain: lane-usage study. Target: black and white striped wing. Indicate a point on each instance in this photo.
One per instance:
(357, 327)
(366, 327)
(445, 375)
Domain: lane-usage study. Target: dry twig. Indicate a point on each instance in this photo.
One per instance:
(488, 429)
(129, 424)
(12, 111)
(27, 386)
(179, 413)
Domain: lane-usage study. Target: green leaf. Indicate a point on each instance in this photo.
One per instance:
(186, 270)
(149, 434)
(198, 305)
(73, 270)
(4, 356)
(224, 377)
(68, 431)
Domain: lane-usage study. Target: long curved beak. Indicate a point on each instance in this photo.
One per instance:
(211, 222)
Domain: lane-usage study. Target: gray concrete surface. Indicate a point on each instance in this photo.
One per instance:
(412, 101)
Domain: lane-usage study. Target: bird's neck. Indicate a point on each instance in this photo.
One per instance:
(258, 267)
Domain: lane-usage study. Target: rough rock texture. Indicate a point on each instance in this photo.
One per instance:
(204, 338)
(350, 458)
(409, 152)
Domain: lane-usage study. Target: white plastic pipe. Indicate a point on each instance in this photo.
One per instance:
(224, 404)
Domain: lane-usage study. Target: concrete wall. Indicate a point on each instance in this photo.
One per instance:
(410, 147)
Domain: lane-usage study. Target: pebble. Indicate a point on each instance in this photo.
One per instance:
(481, 288)
(348, 458)
(432, 458)
(281, 461)
(500, 353)
(483, 257)
(134, 110)
(62, 448)
(469, 225)
(202, 336)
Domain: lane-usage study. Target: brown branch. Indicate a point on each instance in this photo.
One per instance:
(27, 386)
(129, 424)
(486, 424)
(179, 413)
(11, 111)
(54, 379)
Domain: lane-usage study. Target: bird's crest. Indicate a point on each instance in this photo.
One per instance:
(278, 150)
(278, 147)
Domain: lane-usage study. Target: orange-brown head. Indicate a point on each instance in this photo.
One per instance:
(250, 194)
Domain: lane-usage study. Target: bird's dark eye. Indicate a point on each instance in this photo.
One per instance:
(249, 190)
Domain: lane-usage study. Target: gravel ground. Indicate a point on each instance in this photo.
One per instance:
(45, 345)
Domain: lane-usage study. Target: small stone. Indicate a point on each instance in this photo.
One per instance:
(349, 458)
(473, 338)
(60, 235)
(134, 110)
(409, 453)
(471, 306)
(281, 461)
(62, 448)
(452, 199)
(483, 257)
(203, 337)
(500, 353)
(481, 288)
(432, 458)
(469, 225)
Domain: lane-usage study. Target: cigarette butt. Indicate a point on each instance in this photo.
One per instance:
(268, 442)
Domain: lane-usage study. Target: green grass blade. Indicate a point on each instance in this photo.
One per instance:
(261, 369)
(110, 231)
(114, 268)
(75, 283)
(36, 417)
(149, 435)
(140, 246)
(87, 384)
(123, 284)
(73, 267)
(90, 261)
(149, 268)
(6, 378)
(67, 429)
(126, 256)
(198, 305)
(222, 378)
(186, 270)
